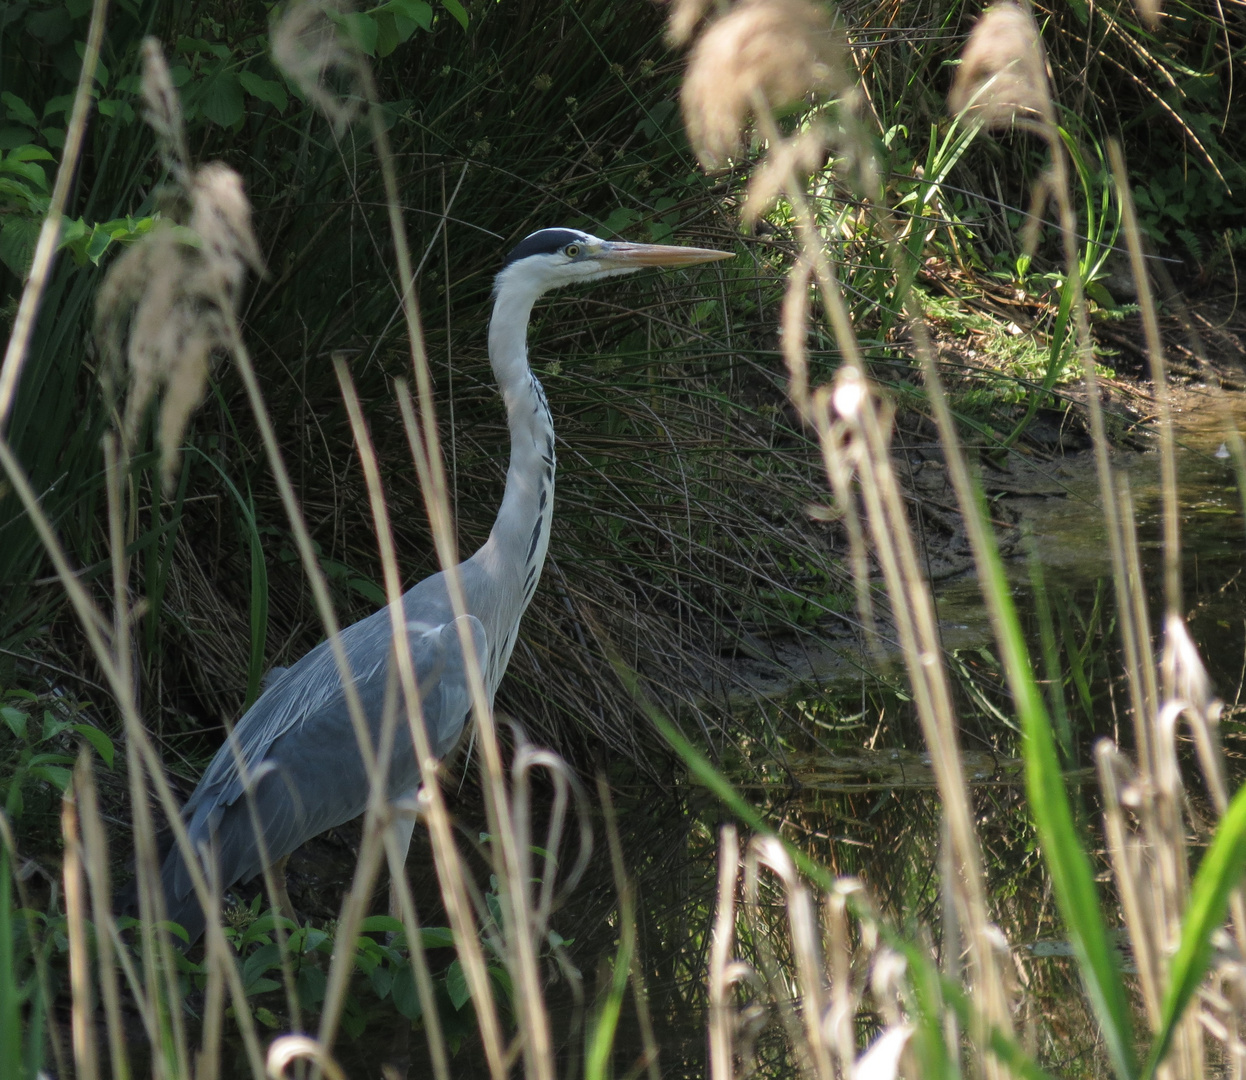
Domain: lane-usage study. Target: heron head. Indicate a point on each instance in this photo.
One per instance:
(550, 258)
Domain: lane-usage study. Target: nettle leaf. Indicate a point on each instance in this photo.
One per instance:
(98, 244)
(222, 99)
(265, 89)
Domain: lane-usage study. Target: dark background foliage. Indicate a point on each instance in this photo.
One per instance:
(682, 540)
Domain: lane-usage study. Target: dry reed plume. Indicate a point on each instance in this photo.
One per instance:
(164, 306)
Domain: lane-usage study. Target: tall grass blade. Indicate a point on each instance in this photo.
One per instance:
(1072, 875)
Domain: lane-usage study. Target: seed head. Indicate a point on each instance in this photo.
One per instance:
(1003, 71)
(760, 54)
(311, 47)
(170, 301)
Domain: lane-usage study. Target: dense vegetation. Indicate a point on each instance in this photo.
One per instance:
(684, 541)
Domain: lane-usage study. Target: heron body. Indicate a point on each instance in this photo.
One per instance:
(295, 748)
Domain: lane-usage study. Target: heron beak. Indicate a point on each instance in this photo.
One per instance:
(624, 256)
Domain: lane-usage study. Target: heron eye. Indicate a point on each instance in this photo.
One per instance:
(571, 250)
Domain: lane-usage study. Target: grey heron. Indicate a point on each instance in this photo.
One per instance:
(296, 741)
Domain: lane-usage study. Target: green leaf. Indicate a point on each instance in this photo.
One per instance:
(382, 978)
(265, 89)
(387, 36)
(311, 986)
(314, 939)
(13, 137)
(457, 10)
(380, 924)
(368, 590)
(1218, 874)
(18, 236)
(27, 170)
(115, 107)
(266, 1017)
(456, 984)
(17, 109)
(16, 719)
(417, 11)
(269, 922)
(222, 99)
(436, 937)
(262, 986)
(62, 103)
(56, 775)
(98, 244)
(199, 45)
(362, 30)
(403, 992)
(263, 960)
(53, 726)
(31, 153)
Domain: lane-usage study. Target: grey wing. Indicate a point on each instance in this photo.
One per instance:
(446, 712)
(305, 771)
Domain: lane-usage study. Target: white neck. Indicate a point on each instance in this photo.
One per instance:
(515, 550)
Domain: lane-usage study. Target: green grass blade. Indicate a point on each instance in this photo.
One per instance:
(10, 999)
(1218, 875)
(1072, 875)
